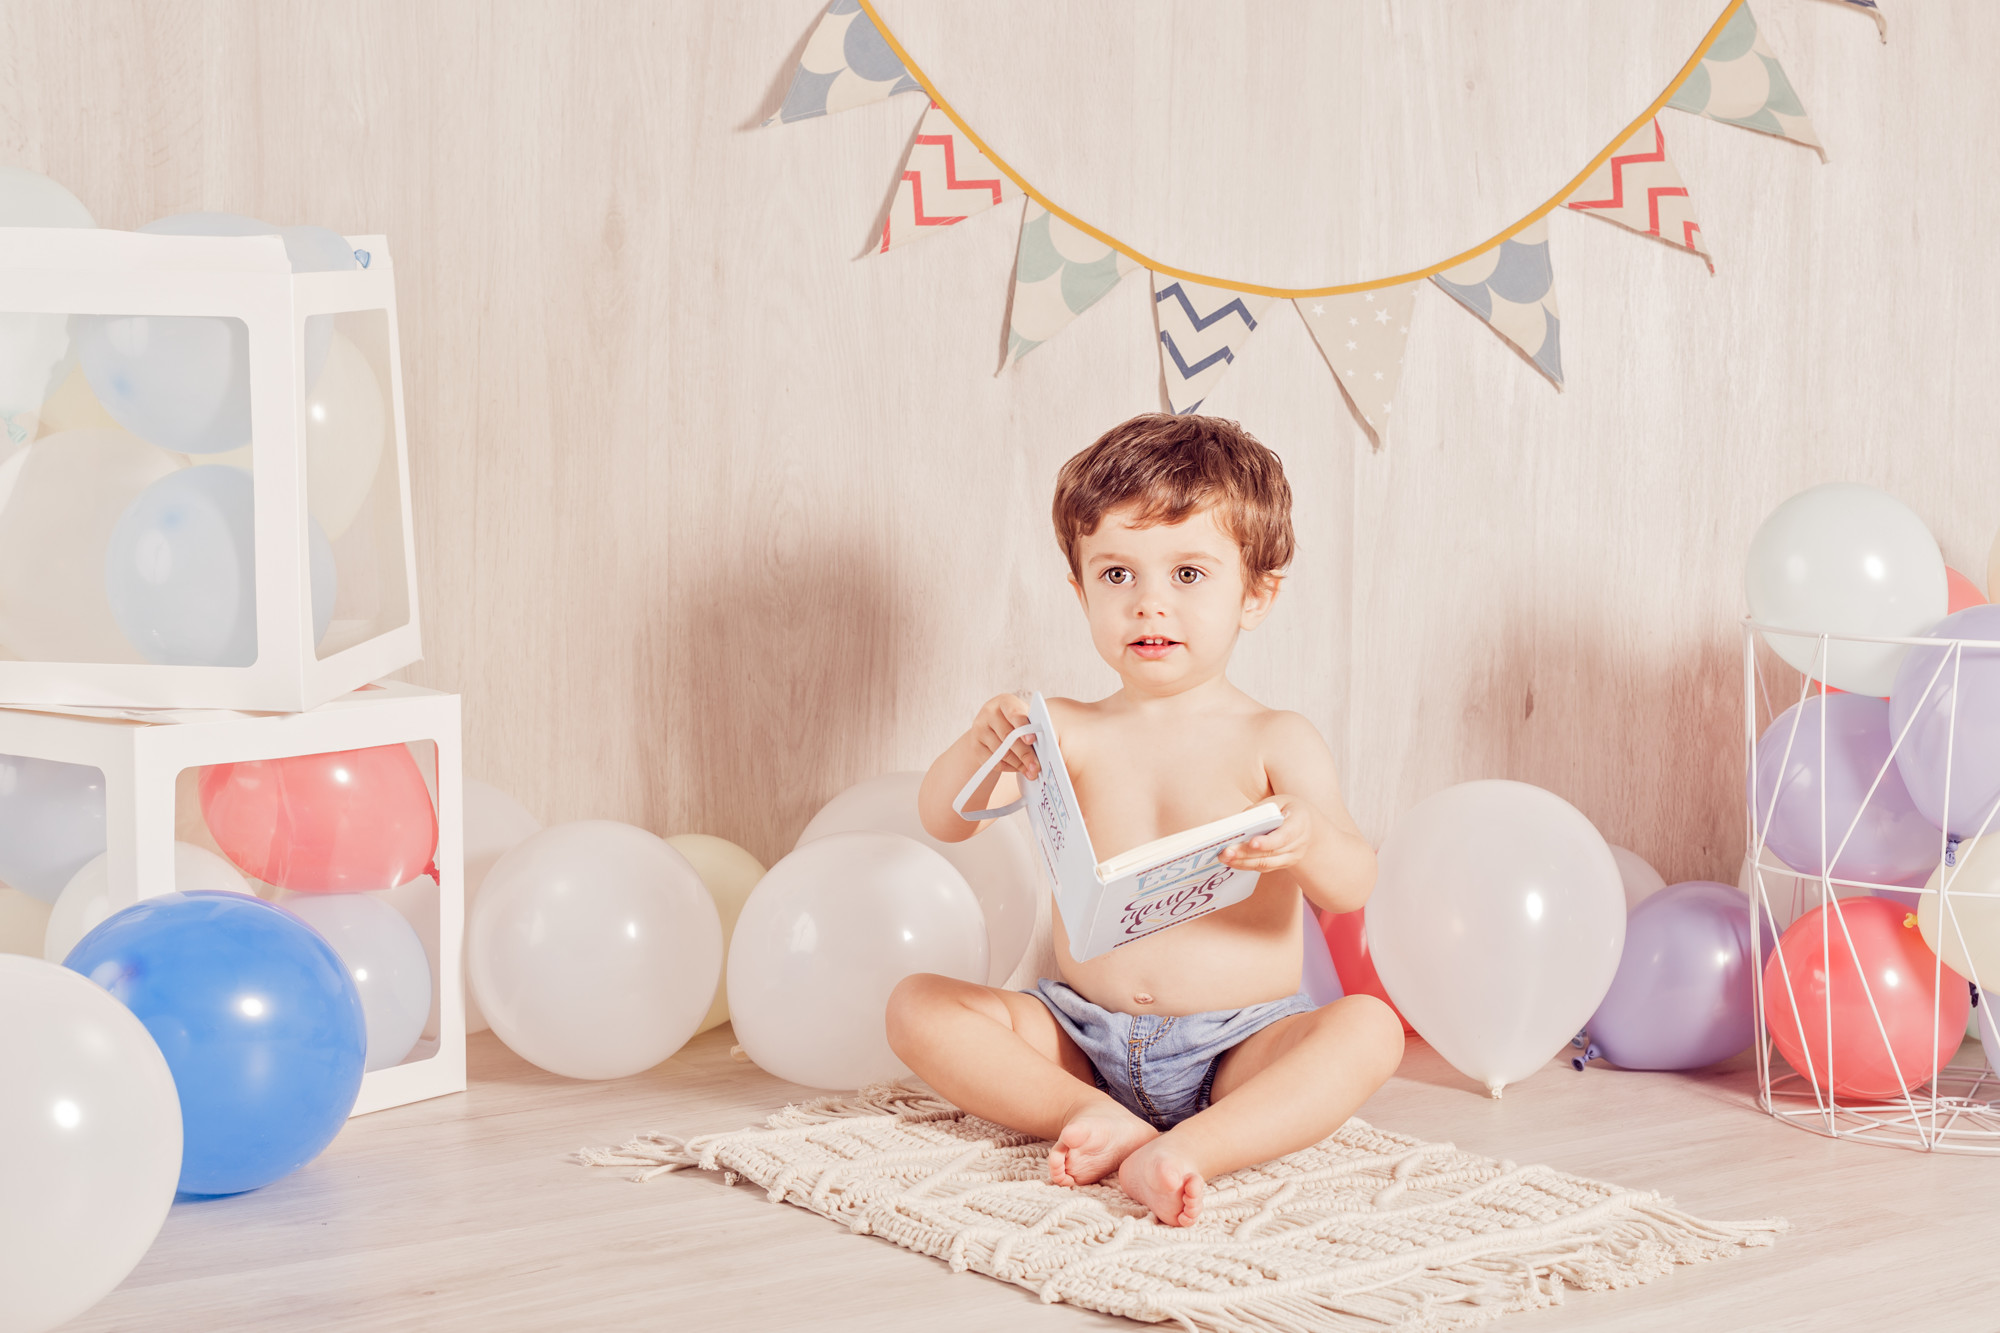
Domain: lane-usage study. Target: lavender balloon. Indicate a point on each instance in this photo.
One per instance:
(1682, 996)
(1923, 699)
(1891, 842)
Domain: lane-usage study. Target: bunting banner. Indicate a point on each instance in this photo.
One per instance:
(945, 180)
(1362, 335)
(1059, 273)
(1638, 188)
(1202, 322)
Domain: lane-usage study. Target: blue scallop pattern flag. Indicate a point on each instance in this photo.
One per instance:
(1513, 288)
(845, 64)
(1202, 329)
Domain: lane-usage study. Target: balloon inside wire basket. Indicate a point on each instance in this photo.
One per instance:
(1872, 771)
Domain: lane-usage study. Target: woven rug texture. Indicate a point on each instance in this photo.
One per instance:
(1364, 1230)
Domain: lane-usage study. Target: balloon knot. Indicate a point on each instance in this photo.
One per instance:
(1909, 921)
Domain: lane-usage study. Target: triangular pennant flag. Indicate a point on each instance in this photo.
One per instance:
(945, 180)
(845, 64)
(1873, 11)
(1201, 330)
(1739, 82)
(1362, 335)
(1513, 288)
(1639, 188)
(1058, 274)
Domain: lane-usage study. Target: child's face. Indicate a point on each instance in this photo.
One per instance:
(1166, 602)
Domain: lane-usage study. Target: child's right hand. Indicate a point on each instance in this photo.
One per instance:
(998, 716)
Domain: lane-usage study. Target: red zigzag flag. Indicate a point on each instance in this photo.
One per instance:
(1639, 188)
(944, 181)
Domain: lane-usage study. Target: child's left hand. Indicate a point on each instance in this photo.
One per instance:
(1281, 848)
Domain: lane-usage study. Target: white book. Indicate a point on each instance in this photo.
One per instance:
(1159, 884)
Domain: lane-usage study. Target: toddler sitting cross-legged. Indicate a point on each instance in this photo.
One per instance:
(1189, 1052)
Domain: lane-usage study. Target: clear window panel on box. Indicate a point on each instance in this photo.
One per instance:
(347, 842)
(353, 485)
(125, 497)
(52, 851)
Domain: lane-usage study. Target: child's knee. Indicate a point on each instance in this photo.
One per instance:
(1375, 1031)
(915, 998)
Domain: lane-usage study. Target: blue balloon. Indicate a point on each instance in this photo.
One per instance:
(1682, 997)
(258, 1018)
(181, 571)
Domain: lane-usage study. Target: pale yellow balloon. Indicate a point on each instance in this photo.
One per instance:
(24, 921)
(730, 873)
(1962, 925)
(347, 429)
(74, 407)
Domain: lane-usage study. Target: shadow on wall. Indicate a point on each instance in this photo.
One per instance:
(772, 681)
(1648, 742)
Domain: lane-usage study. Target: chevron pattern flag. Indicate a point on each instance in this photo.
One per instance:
(1059, 273)
(945, 180)
(1362, 335)
(845, 64)
(1739, 82)
(1202, 329)
(1639, 188)
(1513, 288)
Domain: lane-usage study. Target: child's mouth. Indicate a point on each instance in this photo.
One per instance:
(1153, 647)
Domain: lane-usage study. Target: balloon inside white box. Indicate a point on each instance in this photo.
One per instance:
(206, 502)
(349, 816)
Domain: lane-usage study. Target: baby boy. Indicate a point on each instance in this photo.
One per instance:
(1189, 1052)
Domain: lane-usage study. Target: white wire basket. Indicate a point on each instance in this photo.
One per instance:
(1951, 1105)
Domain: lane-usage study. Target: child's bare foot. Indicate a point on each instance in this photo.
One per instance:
(1160, 1177)
(1094, 1142)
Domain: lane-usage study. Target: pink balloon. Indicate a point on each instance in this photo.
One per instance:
(1347, 940)
(1961, 591)
(344, 822)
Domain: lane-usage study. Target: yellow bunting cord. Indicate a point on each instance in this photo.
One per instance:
(1659, 103)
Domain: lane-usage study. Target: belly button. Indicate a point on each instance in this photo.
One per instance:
(1142, 998)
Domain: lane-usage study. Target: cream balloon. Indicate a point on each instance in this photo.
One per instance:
(86, 899)
(1637, 875)
(60, 498)
(1496, 925)
(999, 862)
(90, 1131)
(1787, 895)
(1845, 559)
(24, 922)
(347, 427)
(730, 873)
(36, 354)
(1959, 912)
(827, 934)
(594, 950)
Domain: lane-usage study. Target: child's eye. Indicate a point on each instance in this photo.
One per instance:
(1117, 576)
(1188, 574)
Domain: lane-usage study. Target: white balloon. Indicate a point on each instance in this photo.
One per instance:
(347, 428)
(86, 899)
(730, 874)
(60, 499)
(1989, 1040)
(24, 922)
(35, 348)
(1787, 895)
(827, 934)
(1845, 559)
(386, 960)
(1641, 881)
(1496, 925)
(90, 1132)
(594, 949)
(29, 199)
(998, 862)
(495, 824)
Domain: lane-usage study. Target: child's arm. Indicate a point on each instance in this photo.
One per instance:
(1318, 842)
(949, 771)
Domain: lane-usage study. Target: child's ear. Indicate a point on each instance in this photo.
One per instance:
(1080, 599)
(1257, 599)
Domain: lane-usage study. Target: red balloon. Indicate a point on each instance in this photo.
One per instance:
(344, 822)
(1902, 975)
(1347, 941)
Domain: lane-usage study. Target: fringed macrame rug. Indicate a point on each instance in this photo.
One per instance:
(1364, 1230)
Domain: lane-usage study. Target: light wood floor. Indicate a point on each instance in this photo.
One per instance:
(463, 1213)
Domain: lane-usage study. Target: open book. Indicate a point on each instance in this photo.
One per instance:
(1105, 904)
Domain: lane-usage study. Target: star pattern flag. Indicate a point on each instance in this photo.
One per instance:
(1513, 288)
(1739, 82)
(845, 64)
(1362, 336)
(1639, 188)
(1059, 273)
(945, 180)
(1201, 331)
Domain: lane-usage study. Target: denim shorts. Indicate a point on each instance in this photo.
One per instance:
(1161, 1067)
